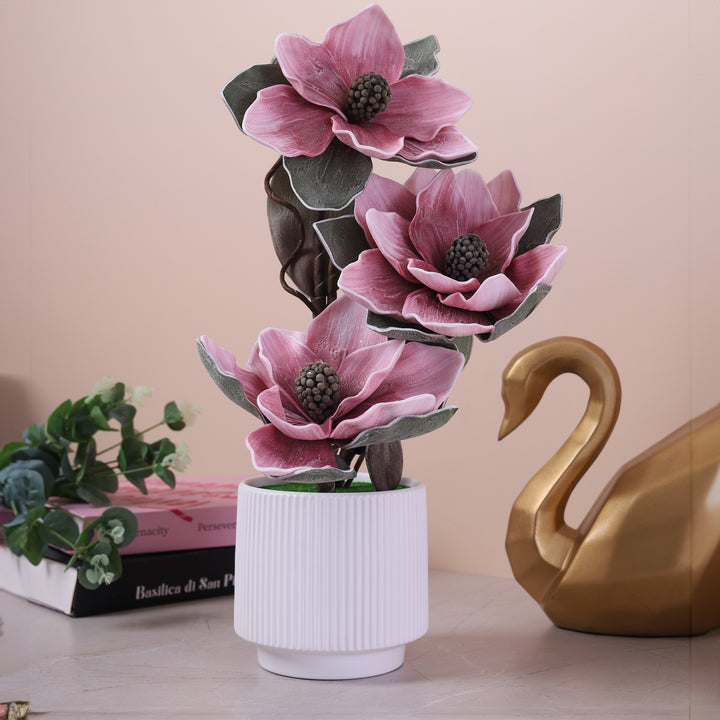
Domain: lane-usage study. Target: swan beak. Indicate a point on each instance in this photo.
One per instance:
(507, 426)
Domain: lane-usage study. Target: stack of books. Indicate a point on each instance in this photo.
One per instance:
(184, 550)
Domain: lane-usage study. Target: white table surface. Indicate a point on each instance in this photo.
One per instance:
(490, 653)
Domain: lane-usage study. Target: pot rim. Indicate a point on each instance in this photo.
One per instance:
(258, 483)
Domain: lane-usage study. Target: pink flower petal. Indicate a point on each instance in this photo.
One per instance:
(278, 357)
(426, 274)
(287, 123)
(448, 145)
(441, 217)
(340, 330)
(384, 194)
(421, 106)
(369, 138)
(418, 181)
(377, 414)
(505, 192)
(494, 292)
(479, 202)
(422, 307)
(372, 282)
(363, 371)
(286, 415)
(311, 70)
(276, 454)
(539, 265)
(367, 42)
(227, 365)
(422, 369)
(502, 237)
(390, 232)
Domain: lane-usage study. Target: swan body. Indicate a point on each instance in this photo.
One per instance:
(646, 558)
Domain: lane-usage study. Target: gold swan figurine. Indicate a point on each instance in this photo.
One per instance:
(646, 558)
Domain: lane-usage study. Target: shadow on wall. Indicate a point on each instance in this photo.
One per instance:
(15, 411)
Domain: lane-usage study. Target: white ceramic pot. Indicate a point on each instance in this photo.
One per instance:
(331, 585)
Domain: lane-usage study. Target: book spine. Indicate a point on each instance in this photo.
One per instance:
(159, 578)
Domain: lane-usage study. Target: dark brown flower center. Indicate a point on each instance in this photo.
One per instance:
(318, 389)
(466, 258)
(367, 96)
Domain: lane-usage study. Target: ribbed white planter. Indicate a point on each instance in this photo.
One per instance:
(331, 585)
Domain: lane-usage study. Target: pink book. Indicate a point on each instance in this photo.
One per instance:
(198, 513)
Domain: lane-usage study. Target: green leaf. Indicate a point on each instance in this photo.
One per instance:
(231, 387)
(240, 93)
(342, 238)
(25, 538)
(531, 301)
(25, 484)
(123, 516)
(55, 427)
(101, 476)
(101, 566)
(390, 327)
(173, 417)
(437, 164)
(545, 221)
(318, 476)
(330, 181)
(124, 414)
(99, 418)
(93, 496)
(166, 475)
(421, 57)
(34, 434)
(133, 462)
(402, 428)
(60, 529)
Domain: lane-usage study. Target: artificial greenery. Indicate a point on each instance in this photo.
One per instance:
(60, 459)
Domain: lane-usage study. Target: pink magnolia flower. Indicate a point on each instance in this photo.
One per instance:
(411, 117)
(447, 252)
(380, 381)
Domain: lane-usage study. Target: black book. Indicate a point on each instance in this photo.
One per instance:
(147, 579)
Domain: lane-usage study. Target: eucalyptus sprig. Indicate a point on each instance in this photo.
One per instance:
(60, 459)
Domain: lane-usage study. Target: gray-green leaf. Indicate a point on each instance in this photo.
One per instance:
(240, 93)
(421, 57)
(533, 299)
(342, 238)
(231, 387)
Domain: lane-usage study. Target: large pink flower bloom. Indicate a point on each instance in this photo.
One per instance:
(381, 381)
(302, 118)
(407, 272)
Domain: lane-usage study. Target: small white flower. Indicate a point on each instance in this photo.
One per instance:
(113, 530)
(102, 389)
(137, 393)
(179, 460)
(189, 412)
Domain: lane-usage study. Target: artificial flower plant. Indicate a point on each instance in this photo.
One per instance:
(423, 267)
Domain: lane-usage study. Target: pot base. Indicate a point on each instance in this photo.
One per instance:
(330, 665)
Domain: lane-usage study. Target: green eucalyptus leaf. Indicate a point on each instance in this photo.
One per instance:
(330, 181)
(25, 484)
(231, 387)
(45, 455)
(97, 416)
(173, 417)
(421, 57)
(34, 434)
(24, 538)
(55, 427)
(545, 221)
(531, 301)
(385, 463)
(240, 93)
(403, 428)
(101, 476)
(101, 566)
(342, 238)
(124, 414)
(318, 476)
(60, 529)
(117, 525)
(165, 474)
(93, 496)
(9, 450)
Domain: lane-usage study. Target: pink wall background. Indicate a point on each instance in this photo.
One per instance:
(133, 218)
